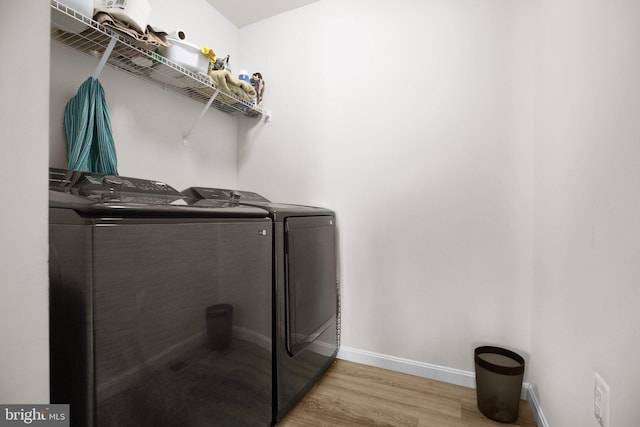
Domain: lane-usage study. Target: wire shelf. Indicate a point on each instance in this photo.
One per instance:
(141, 62)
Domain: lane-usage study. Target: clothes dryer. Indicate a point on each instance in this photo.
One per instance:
(304, 288)
(161, 306)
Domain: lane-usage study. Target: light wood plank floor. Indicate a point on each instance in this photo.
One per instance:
(351, 394)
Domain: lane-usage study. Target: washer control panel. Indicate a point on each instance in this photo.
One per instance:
(111, 187)
(235, 196)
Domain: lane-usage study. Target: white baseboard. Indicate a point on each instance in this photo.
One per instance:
(419, 369)
(532, 398)
(434, 372)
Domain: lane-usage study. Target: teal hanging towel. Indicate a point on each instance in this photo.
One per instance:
(87, 128)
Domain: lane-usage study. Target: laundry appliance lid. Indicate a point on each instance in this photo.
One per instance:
(92, 194)
(277, 211)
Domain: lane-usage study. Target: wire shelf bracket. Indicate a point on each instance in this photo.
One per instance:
(105, 56)
(185, 140)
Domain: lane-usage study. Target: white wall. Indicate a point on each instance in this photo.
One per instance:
(413, 120)
(148, 122)
(586, 315)
(24, 114)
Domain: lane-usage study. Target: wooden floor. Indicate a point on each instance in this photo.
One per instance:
(350, 394)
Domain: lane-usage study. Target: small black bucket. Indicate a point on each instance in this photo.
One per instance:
(219, 321)
(499, 374)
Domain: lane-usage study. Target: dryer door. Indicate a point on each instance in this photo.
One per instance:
(310, 279)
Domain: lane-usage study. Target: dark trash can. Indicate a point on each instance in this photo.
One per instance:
(219, 320)
(499, 374)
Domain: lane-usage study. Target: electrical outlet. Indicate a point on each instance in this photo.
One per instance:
(601, 401)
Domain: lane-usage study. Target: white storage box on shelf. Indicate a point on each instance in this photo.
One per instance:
(185, 54)
(134, 12)
(83, 7)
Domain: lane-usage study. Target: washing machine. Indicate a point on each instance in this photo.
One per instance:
(160, 306)
(305, 286)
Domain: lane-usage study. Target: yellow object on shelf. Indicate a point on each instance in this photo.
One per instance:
(210, 53)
